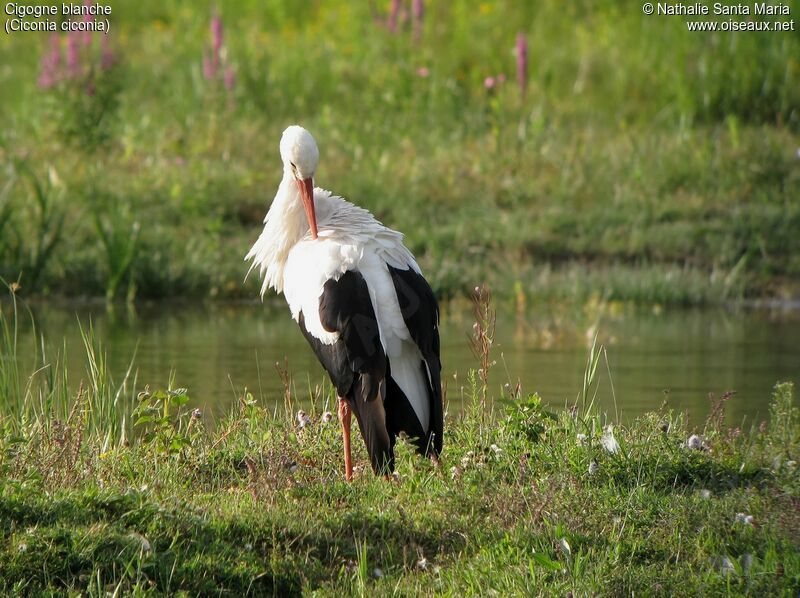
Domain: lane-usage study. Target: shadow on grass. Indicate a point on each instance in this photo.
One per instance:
(83, 538)
(694, 470)
(87, 538)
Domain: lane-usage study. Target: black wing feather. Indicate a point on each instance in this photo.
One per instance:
(421, 315)
(345, 307)
(360, 370)
(356, 362)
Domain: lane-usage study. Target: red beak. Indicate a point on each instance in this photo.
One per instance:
(306, 187)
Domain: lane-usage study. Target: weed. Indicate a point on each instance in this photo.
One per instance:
(784, 418)
(119, 235)
(482, 337)
(44, 216)
(164, 420)
(83, 90)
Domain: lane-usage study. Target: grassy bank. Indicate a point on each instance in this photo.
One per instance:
(110, 490)
(642, 162)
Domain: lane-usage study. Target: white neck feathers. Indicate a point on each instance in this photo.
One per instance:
(284, 225)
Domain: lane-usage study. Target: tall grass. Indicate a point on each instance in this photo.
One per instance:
(35, 389)
(119, 235)
(43, 214)
(10, 383)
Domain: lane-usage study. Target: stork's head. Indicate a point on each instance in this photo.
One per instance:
(300, 159)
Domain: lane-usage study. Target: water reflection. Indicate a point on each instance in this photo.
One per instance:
(217, 350)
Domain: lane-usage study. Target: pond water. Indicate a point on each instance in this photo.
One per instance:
(217, 350)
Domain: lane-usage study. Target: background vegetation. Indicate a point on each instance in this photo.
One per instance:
(642, 162)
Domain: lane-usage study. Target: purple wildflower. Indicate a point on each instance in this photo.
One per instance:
(418, 12)
(489, 82)
(216, 35)
(51, 64)
(393, 12)
(501, 78)
(213, 61)
(423, 72)
(86, 36)
(522, 63)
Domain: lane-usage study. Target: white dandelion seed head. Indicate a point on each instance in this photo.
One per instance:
(609, 442)
(695, 442)
(705, 494)
(726, 565)
(581, 439)
(422, 564)
(303, 419)
(744, 518)
(326, 417)
(144, 544)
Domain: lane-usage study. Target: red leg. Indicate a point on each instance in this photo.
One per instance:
(344, 417)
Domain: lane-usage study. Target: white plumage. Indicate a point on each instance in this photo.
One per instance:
(349, 238)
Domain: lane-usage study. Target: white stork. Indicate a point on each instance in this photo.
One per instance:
(361, 302)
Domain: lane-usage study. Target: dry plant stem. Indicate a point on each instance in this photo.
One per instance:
(716, 415)
(286, 382)
(482, 337)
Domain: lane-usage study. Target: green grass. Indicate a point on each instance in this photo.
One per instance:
(645, 163)
(526, 502)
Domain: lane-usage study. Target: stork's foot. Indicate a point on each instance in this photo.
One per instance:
(345, 414)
